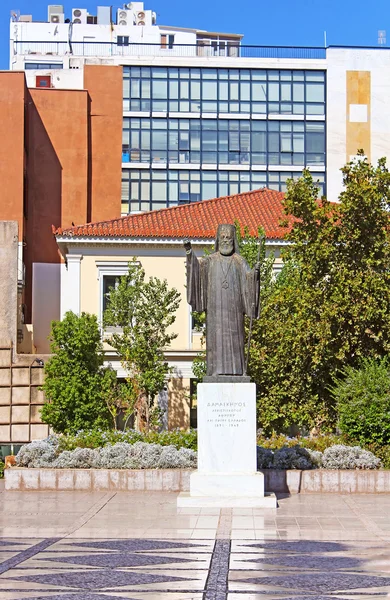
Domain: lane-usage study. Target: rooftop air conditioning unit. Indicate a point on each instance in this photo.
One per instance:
(79, 16)
(59, 18)
(124, 17)
(56, 13)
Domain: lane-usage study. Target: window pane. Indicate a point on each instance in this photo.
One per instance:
(245, 91)
(259, 91)
(109, 282)
(223, 90)
(160, 89)
(159, 190)
(273, 142)
(298, 92)
(285, 139)
(195, 90)
(233, 91)
(273, 92)
(285, 91)
(145, 88)
(298, 142)
(259, 142)
(314, 92)
(135, 88)
(209, 90)
(174, 90)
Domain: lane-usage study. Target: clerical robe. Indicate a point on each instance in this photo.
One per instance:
(226, 289)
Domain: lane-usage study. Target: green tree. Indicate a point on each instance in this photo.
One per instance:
(75, 379)
(144, 310)
(330, 306)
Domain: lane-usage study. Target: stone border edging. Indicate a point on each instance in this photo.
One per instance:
(178, 480)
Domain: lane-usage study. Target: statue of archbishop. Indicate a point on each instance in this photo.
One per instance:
(223, 285)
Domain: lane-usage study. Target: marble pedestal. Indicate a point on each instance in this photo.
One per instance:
(227, 471)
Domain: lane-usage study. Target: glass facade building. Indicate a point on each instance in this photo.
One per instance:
(195, 133)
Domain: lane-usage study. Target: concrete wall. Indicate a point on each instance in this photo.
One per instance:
(9, 282)
(20, 376)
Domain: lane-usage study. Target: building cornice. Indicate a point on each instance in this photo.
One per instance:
(127, 241)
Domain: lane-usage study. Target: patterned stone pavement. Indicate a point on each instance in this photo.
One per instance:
(139, 546)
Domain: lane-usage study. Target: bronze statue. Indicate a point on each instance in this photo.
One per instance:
(223, 285)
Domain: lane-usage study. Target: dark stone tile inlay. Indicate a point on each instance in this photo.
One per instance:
(307, 561)
(301, 546)
(78, 596)
(320, 582)
(118, 560)
(134, 545)
(217, 581)
(98, 579)
(12, 562)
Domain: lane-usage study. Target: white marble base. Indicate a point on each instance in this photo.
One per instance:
(227, 484)
(227, 475)
(227, 428)
(186, 500)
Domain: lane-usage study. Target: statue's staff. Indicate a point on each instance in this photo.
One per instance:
(257, 268)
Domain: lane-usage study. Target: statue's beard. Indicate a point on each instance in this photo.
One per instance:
(226, 249)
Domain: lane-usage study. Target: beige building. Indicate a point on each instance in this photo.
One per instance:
(97, 253)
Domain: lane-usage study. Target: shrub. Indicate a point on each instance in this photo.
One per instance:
(363, 402)
(80, 458)
(121, 455)
(75, 379)
(317, 443)
(98, 438)
(295, 457)
(37, 454)
(1, 469)
(349, 457)
(265, 458)
(382, 452)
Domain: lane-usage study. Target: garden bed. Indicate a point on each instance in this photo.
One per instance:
(177, 480)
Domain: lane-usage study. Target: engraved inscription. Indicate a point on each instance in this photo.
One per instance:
(226, 414)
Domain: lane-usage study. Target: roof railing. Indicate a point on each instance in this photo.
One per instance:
(222, 49)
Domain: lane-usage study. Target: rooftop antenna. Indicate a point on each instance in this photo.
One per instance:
(382, 37)
(325, 39)
(15, 14)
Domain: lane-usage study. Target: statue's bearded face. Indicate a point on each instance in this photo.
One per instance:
(226, 241)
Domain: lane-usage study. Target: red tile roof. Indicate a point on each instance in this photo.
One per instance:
(197, 220)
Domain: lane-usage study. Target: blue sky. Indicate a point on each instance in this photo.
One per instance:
(275, 22)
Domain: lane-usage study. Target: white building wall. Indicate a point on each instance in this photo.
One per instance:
(45, 306)
(339, 62)
(70, 284)
(61, 79)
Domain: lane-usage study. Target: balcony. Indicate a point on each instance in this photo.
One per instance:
(201, 49)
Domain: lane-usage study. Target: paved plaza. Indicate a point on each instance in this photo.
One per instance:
(139, 546)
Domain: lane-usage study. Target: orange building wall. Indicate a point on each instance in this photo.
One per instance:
(64, 116)
(105, 89)
(57, 170)
(13, 93)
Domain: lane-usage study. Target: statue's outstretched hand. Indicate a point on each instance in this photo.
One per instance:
(187, 246)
